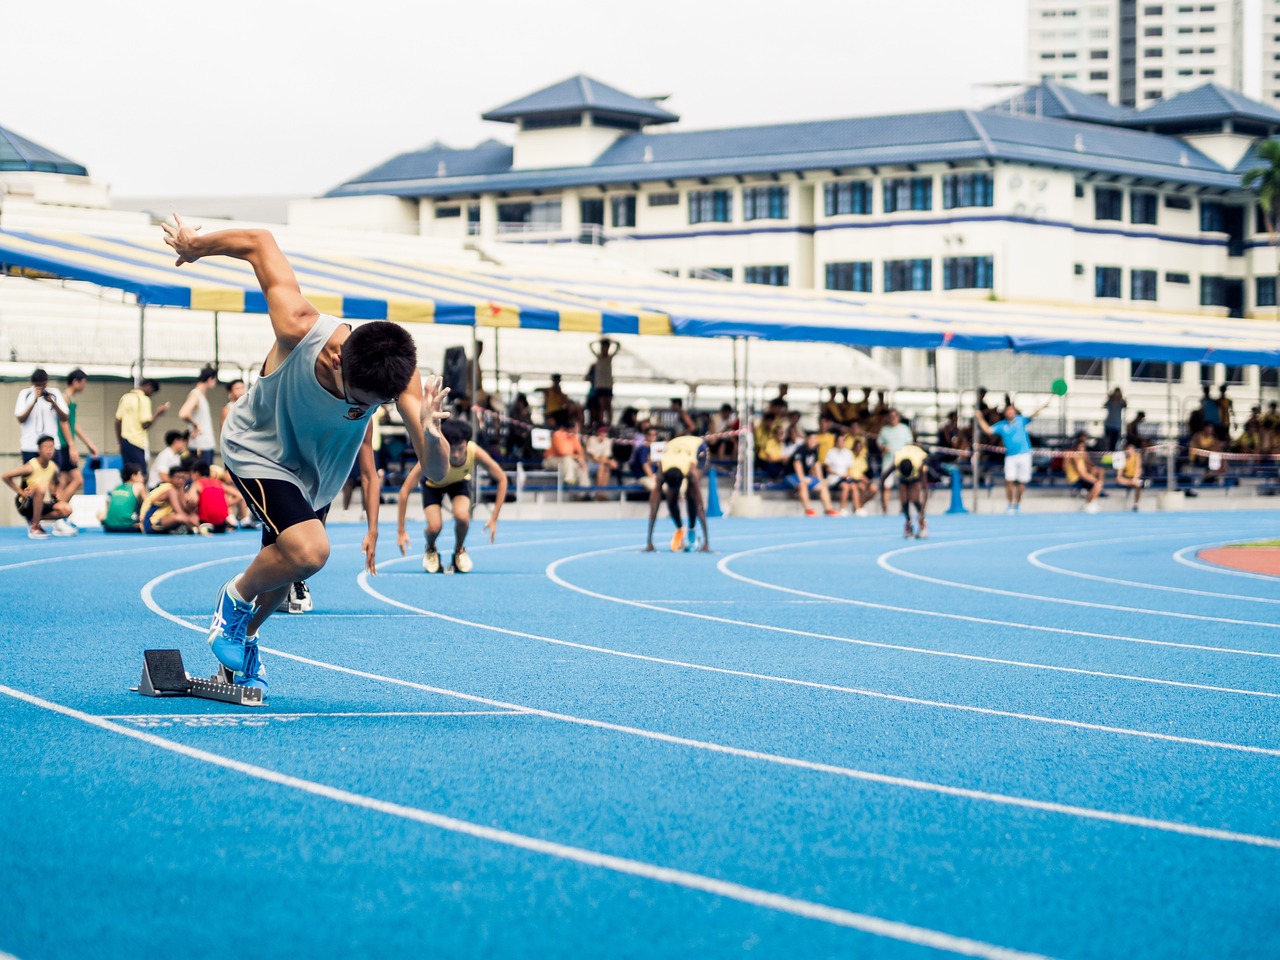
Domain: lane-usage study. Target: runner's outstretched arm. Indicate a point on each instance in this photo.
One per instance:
(422, 409)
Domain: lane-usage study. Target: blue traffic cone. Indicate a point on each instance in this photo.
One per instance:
(957, 489)
(713, 495)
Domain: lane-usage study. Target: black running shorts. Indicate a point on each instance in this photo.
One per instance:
(278, 504)
(434, 496)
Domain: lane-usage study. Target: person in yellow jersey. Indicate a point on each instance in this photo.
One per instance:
(166, 508)
(682, 463)
(464, 454)
(911, 464)
(1129, 471)
(35, 497)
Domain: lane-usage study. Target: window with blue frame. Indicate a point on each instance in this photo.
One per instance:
(1108, 203)
(1106, 282)
(968, 190)
(967, 273)
(769, 276)
(908, 193)
(766, 203)
(1265, 292)
(710, 206)
(853, 275)
(914, 274)
(1142, 284)
(1143, 207)
(847, 197)
(1212, 292)
(1212, 219)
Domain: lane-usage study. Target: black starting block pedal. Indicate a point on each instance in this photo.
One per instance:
(163, 675)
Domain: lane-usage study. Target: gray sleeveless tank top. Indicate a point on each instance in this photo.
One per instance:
(288, 427)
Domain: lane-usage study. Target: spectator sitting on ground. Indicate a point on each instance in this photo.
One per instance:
(641, 463)
(175, 448)
(35, 497)
(893, 436)
(600, 462)
(805, 474)
(165, 509)
(1129, 471)
(124, 502)
(206, 496)
(1082, 473)
(1203, 445)
(566, 454)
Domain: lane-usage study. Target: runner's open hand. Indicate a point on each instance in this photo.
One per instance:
(182, 238)
(434, 396)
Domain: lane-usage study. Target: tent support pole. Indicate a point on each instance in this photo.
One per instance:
(748, 426)
(1171, 454)
(142, 342)
(975, 462)
(216, 346)
(737, 403)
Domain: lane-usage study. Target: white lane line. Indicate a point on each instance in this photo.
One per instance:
(815, 685)
(883, 562)
(1167, 826)
(100, 553)
(723, 567)
(1034, 558)
(294, 716)
(1181, 557)
(751, 896)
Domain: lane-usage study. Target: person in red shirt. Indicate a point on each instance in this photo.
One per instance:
(206, 496)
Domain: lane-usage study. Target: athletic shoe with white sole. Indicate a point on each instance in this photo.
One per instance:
(227, 632)
(1090, 508)
(462, 561)
(64, 528)
(37, 533)
(431, 561)
(254, 673)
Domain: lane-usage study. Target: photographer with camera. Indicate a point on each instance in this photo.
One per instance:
(41, 412)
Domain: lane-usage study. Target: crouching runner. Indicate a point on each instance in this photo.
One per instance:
(289, 442)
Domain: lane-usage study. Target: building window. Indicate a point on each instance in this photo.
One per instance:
(967, 190)
(1089, 368)
(1177, 278)
(1177, 203)
(855, 276)
(847, 196)
(664, 199)
(1097, 74)
(1106, 282)
(591, 211)
(1269, 376)
(1143, 207)
(1152, 74)
(908, 275)
(1142, 284)
(712, 273)
(777, 276)
(1153, 52)
(1153, 11)
(1266, 291)
(908, 193)
(1153, 32)
(448, 213)
(623, 210)
(1212, 292)
(967, 273)
(766, 203)
(710, 206)
(1233, 373)
(538, 215)
(1211, 217)
(1099, 54)
(1108, 203)
(1155, 371)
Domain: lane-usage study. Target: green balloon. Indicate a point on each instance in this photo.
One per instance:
(1059, 388)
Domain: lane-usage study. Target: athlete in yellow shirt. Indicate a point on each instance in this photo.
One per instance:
(35, 498)
(682, 464)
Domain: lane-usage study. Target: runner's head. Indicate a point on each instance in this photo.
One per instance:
(457, 433)
(673, 478)
(379, 359)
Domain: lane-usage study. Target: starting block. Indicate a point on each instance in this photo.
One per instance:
(163, 675)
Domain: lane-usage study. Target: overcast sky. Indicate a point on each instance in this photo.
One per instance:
(256, 97)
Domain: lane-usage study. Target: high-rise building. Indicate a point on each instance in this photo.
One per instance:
(1270, 51)
(1135, 52)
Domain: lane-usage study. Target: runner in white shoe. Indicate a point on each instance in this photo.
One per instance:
(290, 441)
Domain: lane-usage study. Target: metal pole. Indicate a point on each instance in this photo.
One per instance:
(975, 461)
(737, 405)
(142, 342)
(216, 351)
(1171, 454)
(748, 425)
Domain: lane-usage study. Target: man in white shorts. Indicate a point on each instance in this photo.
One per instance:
(290, 441)
(1012, 431)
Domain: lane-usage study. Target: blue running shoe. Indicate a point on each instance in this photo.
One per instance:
(254, 673)
(227, 632)
(691, 541)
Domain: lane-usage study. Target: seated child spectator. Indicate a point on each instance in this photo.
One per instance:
(35, 497)
(1129, 471)
(1081, 472)
(124, 501)
(862, 488)
(566, 455)
(600, 462)
(771, 460)
(805, 474)
(836, 465)
(165, 510)
(641, 463)
(175, 448)
(1203, 445)
(207, 497)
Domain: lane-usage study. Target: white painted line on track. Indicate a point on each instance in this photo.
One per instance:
(751, 896)
(1181, 557)
(723, 567)
(883, 562)
(295, 716)
(1167, 826)
(1034, 558)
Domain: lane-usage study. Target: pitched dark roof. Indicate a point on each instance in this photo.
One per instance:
(581, 93)
(437, 160)
(1203, 104)
(1052, 99)
(19, 153)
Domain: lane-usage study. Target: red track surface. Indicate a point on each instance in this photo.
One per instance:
(1253, 559)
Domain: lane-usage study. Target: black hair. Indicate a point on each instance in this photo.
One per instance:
(129, 471)
(153, 384)
(196, 466)
(39, 375)
(207, 373)
(76, 374)
(233, 383)
(380, 358)
(905, 467)
(187, 464)
(42, 438)
(456, 432)
(172, 435)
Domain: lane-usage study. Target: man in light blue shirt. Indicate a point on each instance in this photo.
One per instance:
(1012, 431)
(893, 436)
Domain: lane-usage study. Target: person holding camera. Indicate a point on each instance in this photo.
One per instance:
(41, 412)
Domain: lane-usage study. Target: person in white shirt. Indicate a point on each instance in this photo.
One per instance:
(837, 466)
(195, 411)
(167, 460)
(893, 436)
(41, 412)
